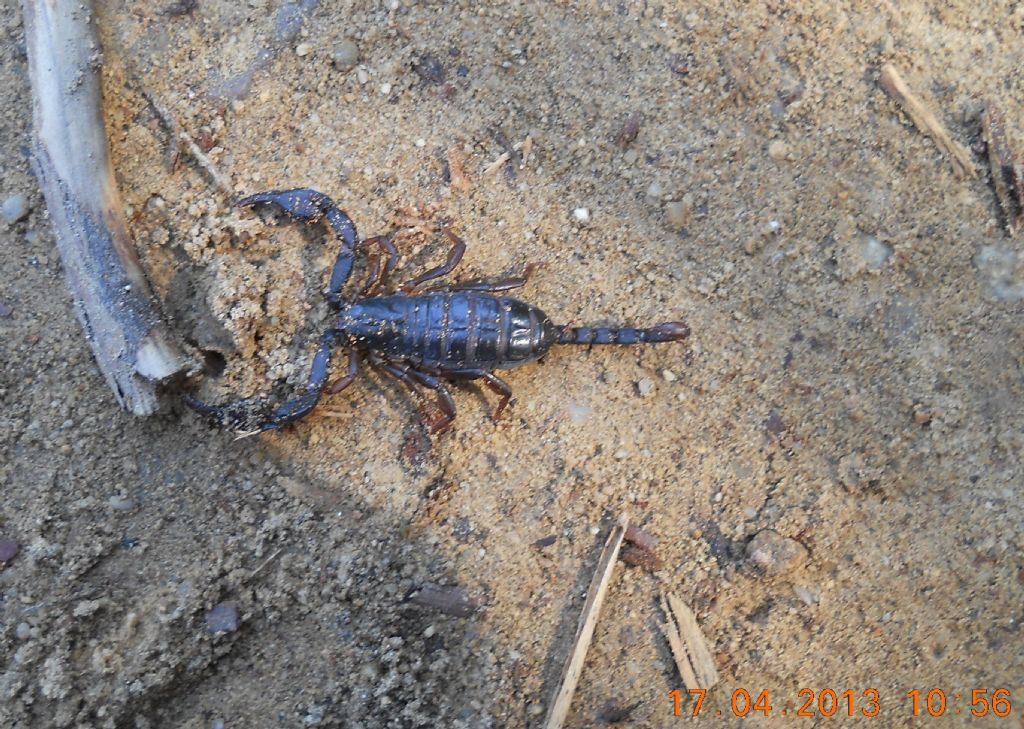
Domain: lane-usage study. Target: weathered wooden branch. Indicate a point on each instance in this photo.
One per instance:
(133, 347)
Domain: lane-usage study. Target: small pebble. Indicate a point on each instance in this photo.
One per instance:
(23, 631)
(630, 156)
(222, 619)
(345, 55)
(581, 214)
(669, 375)
(8, 550)
(5, 310)
(805, 595)
(875, 253)
(778, 150)
(654, 192)
(385, 89)
(121, 503)
(362, 76)
(14, 208)
(678, 213)
(774, 553)
(303, 49)
(579, 413)
(645, 386)
(430, 69)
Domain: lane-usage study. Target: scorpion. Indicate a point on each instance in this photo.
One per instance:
(463, 331)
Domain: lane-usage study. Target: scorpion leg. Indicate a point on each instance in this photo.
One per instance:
(240, 414)
(504, 284)
(372, 278)
(349, 377)
(497, 385)
(309, 205)
(411, 378)
(454, 256)
(377, 276)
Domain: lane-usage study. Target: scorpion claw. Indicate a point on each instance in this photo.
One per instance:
(245, 416)
(301, 204)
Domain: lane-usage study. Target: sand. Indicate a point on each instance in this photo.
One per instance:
(852, 384)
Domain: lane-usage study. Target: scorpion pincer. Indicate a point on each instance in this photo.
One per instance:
(463, 331)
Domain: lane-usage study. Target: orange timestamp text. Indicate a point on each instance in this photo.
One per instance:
(829, 702)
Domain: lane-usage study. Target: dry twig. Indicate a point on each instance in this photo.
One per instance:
(894, 85)
(185, 141)
(1007, 174)
(562, 700)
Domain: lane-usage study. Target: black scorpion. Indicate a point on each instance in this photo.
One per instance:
(463, 331)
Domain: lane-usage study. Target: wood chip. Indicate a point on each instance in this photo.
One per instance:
(1007, 175)
(458, 174)
(519, 149)
(562, 699)
(689, 648)
(629, 131)
(639, 557)
(894, 85)
(640, 538)
(496, 164)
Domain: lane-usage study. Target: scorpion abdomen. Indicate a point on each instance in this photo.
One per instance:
(450, 331)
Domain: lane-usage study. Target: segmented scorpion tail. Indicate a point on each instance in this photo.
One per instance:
(671, 331)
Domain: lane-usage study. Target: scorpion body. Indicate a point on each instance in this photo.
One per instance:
(462, 332)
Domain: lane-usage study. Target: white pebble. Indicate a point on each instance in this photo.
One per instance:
(669, 375)
(345, 55)
(645, 386)
(581, 214)
(14, 208)
(362, 76)
(678, 213)
(385, 89)
(421, 142)
(121, 503)
(778, 150)
(875, 253)
(303, 49)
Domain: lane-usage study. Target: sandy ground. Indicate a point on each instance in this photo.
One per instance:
(853, 382)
